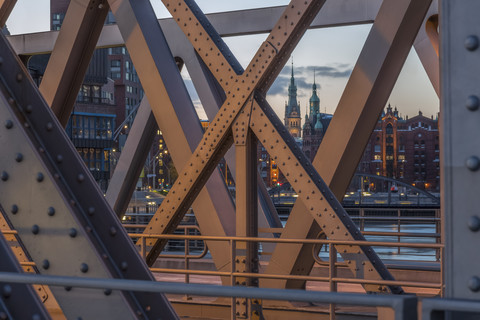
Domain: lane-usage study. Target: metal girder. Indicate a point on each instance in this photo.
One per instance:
(427, 49)
(6, 7)
(133, 156)
(246, 253)
(261, 20)
(363, 100)
(57, 208)
(218, 139)
(176, 117)
(212, 96)
(17, 301)
(71, 55)
(459, 116)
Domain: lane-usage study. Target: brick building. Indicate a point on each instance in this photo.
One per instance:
(404, 149)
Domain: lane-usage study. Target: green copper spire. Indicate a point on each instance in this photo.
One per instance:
(314, 99)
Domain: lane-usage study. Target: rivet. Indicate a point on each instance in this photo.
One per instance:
(4, 176)
(68, 288)
(72, 233)
(107, 292)
(3, 316)
(9, 124)
(7, 291)
(474, 223)
(35, 229)
(471, 43)
(49, 126)
(45, 264)
(36, 317)
(29, 108)
(80, 177)
(91, 211)
(84, 267)
(474, 284)
(472, 103)
(19, 77)
(113, 231)
(14, 209)
(19, 157)
(51, 211)
(59, 158)
(124, 266)
(472, 163)
(40, 177)
(11, 101)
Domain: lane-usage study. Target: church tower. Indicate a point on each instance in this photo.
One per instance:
(292, 110)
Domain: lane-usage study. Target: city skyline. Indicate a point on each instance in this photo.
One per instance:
(333, 52)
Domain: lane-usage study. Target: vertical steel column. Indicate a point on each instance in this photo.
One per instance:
(246, 259)
(460, 151)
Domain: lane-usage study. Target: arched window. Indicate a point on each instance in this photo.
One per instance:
(389, 129)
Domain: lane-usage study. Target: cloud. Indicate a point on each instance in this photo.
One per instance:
(304, 77)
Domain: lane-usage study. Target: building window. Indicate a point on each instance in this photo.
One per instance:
(115, 63)
(377, 148)
(389, 129)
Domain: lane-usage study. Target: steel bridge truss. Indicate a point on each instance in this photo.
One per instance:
(66, 225)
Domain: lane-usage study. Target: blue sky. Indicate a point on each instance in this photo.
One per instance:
(332, 52)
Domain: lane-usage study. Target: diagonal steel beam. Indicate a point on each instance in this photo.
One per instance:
(212, 96)
(426, 46)
(6, 7)
(133, 156)
(175, 115)
(17, 301)
(284, 37)
(363, 100)
(71, 55)
(57, 208)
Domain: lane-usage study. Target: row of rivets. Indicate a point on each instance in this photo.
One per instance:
(473, 162)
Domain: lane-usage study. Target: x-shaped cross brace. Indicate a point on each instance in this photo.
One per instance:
(218, 138)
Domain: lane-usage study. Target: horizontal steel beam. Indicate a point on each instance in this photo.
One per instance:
(235, 23)
(405, 306)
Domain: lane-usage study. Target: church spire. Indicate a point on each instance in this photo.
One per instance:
(314, 99)
(292, 96)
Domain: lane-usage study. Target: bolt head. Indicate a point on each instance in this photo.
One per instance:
(4, 176)
(35, 229)
(9, 124)
(474, 284)
(472, 163)
(471, 43)
(19, 157)
(14, 209)
(72, 232)
(45, 264)
(474, 223)
(472, 103)
(40, 177)
(7, 291)
(51, 211)
(84, 267)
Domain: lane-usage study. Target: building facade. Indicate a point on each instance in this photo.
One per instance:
(404, 149)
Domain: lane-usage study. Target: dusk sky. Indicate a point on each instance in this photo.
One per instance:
(332, 52)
